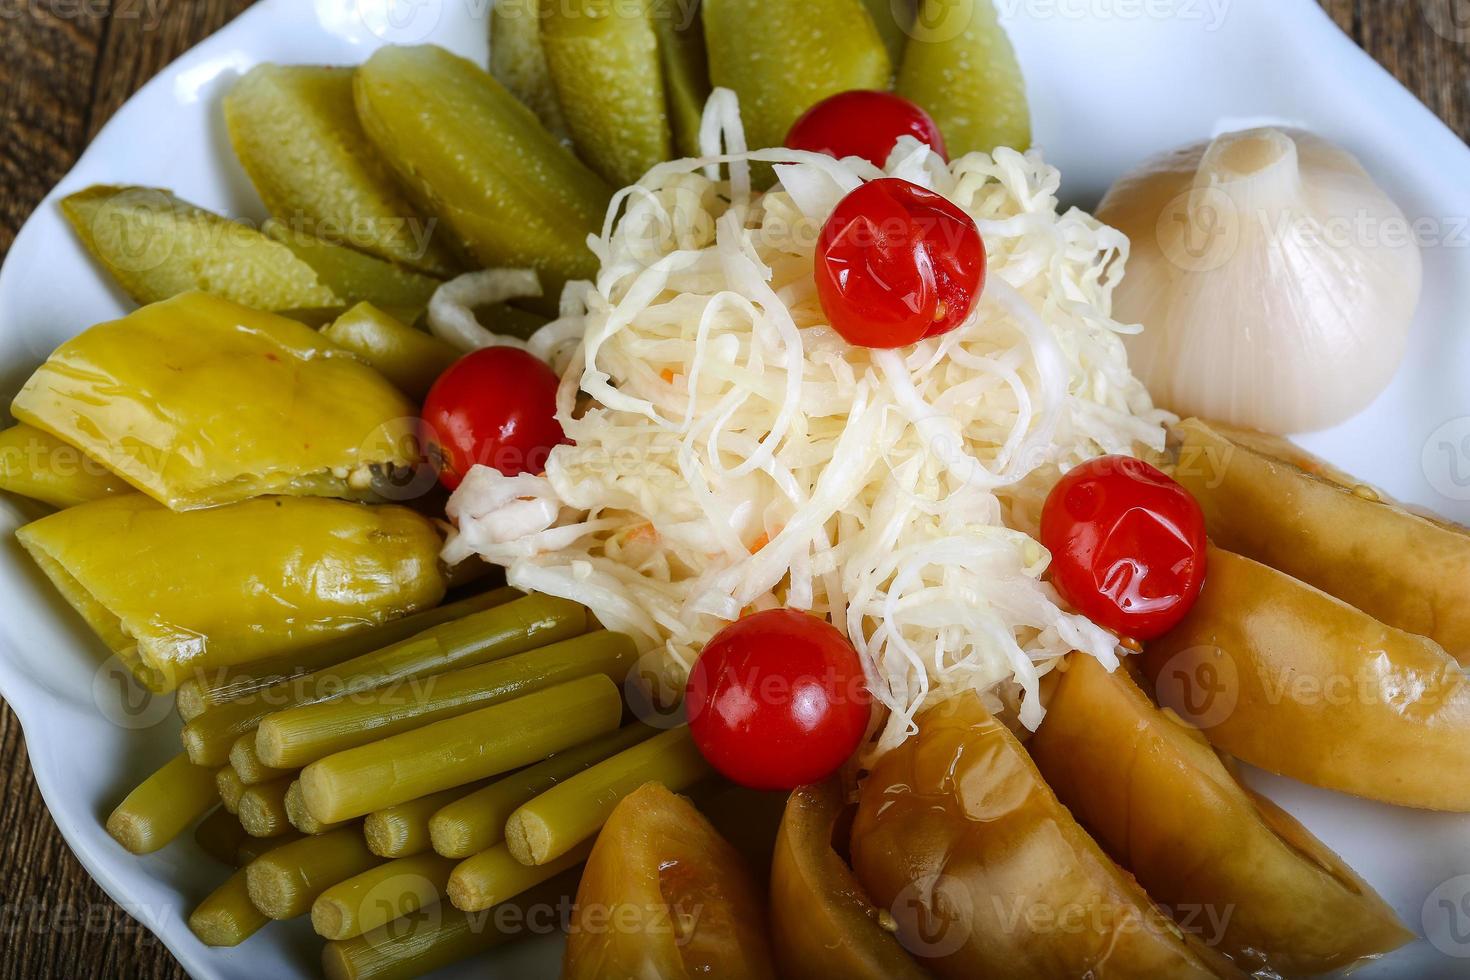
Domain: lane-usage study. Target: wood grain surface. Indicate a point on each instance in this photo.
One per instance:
(65, 68)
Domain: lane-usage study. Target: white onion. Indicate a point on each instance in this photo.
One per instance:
(1274, 280)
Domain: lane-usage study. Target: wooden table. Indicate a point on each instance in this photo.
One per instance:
(65, 68)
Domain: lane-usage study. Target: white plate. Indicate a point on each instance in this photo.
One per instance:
(1110, 83)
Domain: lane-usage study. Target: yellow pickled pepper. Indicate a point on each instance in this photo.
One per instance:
(227, 585)
(198, 401)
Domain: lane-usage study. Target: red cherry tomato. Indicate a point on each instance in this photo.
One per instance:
(1127, 545)
(897, 263)
(497, 407)
(777, 700)
(863, 123)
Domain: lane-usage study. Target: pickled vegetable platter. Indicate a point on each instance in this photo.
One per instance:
(425, 744)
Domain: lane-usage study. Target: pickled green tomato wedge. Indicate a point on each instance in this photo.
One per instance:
(604, 62)
(518, 61)
(960, 66)
(783, 56)
(509, 193)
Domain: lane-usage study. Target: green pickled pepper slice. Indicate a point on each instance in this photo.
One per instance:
(960, 67)
(783, 56)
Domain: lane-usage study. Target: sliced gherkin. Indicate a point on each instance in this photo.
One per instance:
(685, 68)
(198, 401)
(355, 275)
(296, 133)
(518, 61)
(157, 246)
(783, 56)
(225, 586)
(511, 195)
(959, 66)
(894, 19)
(604, 61)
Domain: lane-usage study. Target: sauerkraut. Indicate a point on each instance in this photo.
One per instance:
(732, 452)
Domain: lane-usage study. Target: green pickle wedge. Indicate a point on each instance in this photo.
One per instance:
(686, 71)
(355, 275)
(157, 246)
(960, 67)
(508, 191)
(296, 133)
(783, 56)
(518, 61)
(894, 19)
(604, 61)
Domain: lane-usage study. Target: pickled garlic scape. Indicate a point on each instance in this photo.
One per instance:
(823, 926)
(1268, 500)
(1290, 679)
(198, 401)
(228, 585)
(604, 62)
(296, 133)
(683, 900)
(1160, 801)
(960, 67)
(1274, 280)
(509, 194)
(959, 836)
(781, 57)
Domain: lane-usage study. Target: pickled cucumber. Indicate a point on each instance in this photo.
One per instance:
(894, 19)
(157, 246)
(518, 61)
(355, 276)
(603, 56)
(509, 193)
(686, 71)
(783, 56)
(296, 132)
(960, 67)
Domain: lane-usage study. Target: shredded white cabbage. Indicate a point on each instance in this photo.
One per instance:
(737, 453)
